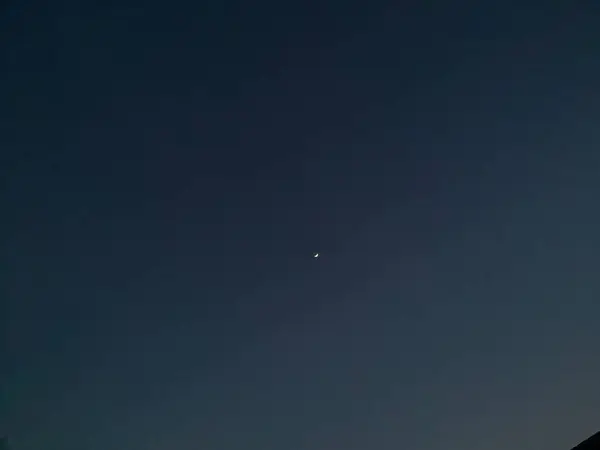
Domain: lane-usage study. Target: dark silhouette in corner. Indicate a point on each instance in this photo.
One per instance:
(591, 443)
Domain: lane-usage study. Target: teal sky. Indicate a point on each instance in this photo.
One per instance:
(169, 170)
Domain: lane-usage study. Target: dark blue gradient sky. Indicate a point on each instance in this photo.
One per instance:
(168, 169)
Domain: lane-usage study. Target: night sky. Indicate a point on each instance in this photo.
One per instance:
(168, 170)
